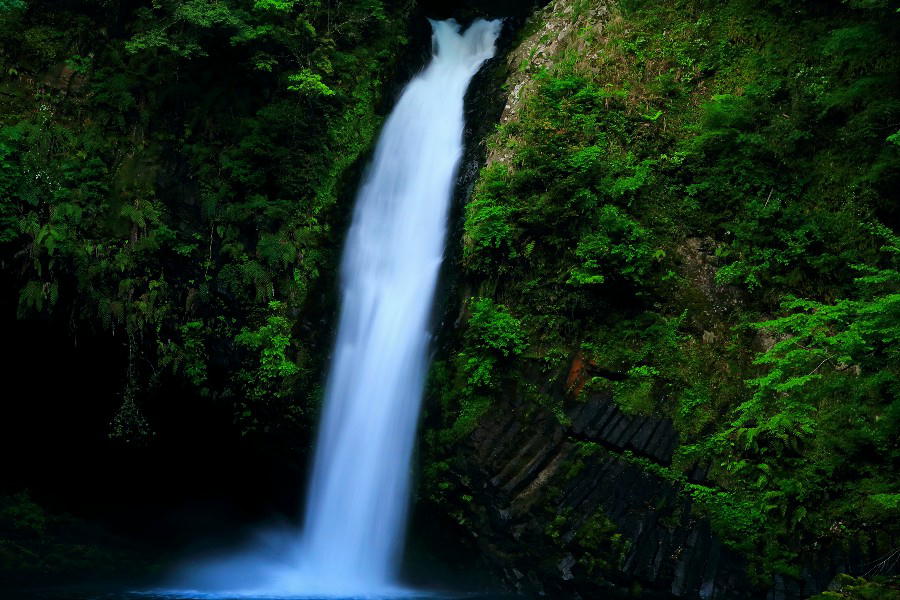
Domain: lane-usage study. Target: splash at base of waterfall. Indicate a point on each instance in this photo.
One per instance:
(272, 566)
(356, 513)
(93, 592)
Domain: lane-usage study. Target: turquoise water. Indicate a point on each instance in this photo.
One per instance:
(85, 593)
(69, 594)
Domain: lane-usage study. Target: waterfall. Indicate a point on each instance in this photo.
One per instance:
(356, 511)
(360, 485)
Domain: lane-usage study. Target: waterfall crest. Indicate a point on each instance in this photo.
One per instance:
(356, 512)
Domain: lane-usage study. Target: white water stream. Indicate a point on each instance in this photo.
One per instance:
(360, 485)
(356, 513)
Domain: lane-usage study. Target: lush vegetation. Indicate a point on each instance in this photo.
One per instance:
(856, 588)
(700, 199)
(696, 201)
(170, 175)
(175, 177)
(35, 544)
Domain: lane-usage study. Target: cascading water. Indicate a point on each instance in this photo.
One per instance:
(360, 485)
(356, 511)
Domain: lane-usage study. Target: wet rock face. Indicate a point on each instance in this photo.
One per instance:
(601, 421)
(565, 509)
(561, 506)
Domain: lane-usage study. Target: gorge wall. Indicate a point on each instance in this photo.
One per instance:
(591, 402)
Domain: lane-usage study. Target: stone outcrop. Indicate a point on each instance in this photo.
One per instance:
(550, 33)
(540, 483)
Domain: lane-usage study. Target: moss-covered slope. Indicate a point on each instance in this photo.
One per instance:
(688, 208)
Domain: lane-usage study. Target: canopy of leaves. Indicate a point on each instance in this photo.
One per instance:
(170, 174)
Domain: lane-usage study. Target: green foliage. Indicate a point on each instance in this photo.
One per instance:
(191, 357)
(827, 399)
(648, 354)
(677, 200)
(129, 425)
(275, 5)
(167, 171)
(493, 330)
(619, 249)
(307, 83)
(700, 204)
(271, 341)
(846, 587)
(271, 376)
(36, 544)
(494, 336)
(560, 178)
(847, 350)
(488, 230)
(21, 515)
(465, 382)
